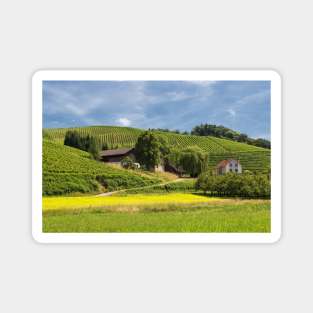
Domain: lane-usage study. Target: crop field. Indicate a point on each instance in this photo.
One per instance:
(255, 161)
(253, 158)
(69, 170)
(116, 136)
(155, 213)
(128, 202)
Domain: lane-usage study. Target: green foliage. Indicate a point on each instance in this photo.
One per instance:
(127, 137)
(105, 146)
(147, 150)
(221, 131)
(86, 143)
(252, 158)
(244, 185)
(128, 163)
(185, 185)
(69, 170)
(191, 160)
(165, 148)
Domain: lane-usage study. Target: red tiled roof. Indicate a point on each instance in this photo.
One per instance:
(225, 162)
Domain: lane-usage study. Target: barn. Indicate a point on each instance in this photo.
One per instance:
(228, 166)
(117, 155)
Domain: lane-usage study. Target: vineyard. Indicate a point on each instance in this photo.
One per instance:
(254, 161)
(252, 158)
(69, 170)
(117, 137)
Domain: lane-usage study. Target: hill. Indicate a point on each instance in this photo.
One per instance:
(69, 170)
(252, 158)
(116, 136)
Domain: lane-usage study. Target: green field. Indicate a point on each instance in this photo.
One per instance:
(145, 201)
(126, 137)
(252, 158)
(182, 185)
(69, 170)
(142, 213)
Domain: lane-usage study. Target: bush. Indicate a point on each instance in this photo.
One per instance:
(244, 185)
(128, 163)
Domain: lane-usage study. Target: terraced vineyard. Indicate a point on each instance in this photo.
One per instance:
(255, 161)
(69, 170)
(252, 158)
(114, 136)
(126, 137)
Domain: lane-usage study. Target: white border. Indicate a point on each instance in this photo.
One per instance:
(41, 237)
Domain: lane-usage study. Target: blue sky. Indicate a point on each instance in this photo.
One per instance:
(240, 105)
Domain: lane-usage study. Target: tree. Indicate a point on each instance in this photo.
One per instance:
(85, 143)
(262, 143)
(242, 138)
(221, 131)
(73, 139)
(164, 146)
(191, 160)
(93, 148)
(147, 150)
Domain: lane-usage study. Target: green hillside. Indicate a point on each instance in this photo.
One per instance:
(252, 158)
(126, 137)
(254, 161)
(69, 170)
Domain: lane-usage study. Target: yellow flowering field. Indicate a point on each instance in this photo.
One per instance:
(61, 203)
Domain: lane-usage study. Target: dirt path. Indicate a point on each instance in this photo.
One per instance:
(110, 193)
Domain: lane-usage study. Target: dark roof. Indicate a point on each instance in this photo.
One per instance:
(115, 152)
(225, 162)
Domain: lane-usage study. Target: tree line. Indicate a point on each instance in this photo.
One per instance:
(220, 132)
(224, 132)
(86, 143)
(244, 185)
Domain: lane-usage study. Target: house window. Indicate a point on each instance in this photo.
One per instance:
(230, 170)
(236, 170)
(230, 165)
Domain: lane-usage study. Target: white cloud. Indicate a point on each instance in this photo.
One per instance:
(231, 112)
(202, 83)
(176, 96)
(123, 121)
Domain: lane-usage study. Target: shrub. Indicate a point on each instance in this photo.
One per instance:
(244, 185)
(128, 163)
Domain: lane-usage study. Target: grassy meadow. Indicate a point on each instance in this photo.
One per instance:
(155, 213)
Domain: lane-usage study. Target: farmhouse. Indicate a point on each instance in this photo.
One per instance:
(117, 155)
(228, 166)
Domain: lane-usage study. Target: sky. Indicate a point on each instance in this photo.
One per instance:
(240, 105)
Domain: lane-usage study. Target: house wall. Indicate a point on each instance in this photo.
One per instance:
(230, 168)
(233, 166)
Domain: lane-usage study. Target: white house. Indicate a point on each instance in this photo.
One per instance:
(228, 166)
